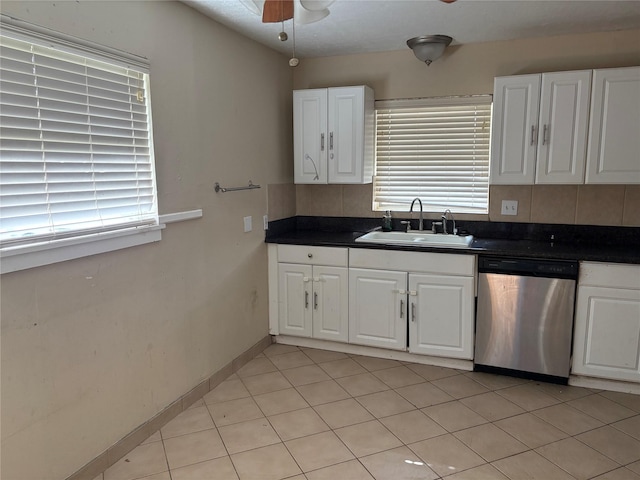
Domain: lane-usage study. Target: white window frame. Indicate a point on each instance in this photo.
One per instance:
(23, 255)
(386, 191)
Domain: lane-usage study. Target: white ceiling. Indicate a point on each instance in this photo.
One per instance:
(359, 26)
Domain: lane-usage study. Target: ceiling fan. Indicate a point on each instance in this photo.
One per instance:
(304, 11)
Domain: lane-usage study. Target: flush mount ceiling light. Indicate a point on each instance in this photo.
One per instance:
(303, 11)
(428, 48)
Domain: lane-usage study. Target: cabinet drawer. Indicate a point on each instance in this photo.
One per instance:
(330, 256)
(418, 262)
(610, 275)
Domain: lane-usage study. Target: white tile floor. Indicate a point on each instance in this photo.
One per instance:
(312, 414)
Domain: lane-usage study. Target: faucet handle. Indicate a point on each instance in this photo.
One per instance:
(434, 225)
(407, 223)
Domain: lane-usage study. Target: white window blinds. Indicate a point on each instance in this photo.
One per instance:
(434, 149)
(76, 151)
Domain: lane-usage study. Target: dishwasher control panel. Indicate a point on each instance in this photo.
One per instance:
(529, 267)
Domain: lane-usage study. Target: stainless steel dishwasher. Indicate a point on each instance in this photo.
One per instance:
(524, 318)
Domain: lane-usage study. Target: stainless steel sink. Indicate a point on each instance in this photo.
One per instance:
(417, 239)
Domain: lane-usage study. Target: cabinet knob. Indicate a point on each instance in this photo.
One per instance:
(310, 255)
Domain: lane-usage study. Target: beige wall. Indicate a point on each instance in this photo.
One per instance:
(470, 69)
(91, 348)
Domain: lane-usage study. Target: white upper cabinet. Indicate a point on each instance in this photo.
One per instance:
(310, 136)
(562, 129)
(614, 131)
(514, 123)
(540, 128)
(333, 135)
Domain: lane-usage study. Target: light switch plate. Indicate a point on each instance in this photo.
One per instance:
(509, 207)
(247, 224)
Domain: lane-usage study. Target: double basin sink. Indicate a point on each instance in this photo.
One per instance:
(417, 239)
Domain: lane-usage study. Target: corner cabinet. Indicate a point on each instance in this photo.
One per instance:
(539, 131)
(425, 297)
(614, 132)
(333, 135)
(607, 323)
(312, 292)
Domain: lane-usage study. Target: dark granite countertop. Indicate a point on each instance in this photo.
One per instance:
(570, 242)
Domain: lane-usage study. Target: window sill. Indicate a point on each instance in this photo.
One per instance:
(13, 259)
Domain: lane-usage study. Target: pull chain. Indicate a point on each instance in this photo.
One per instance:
(293, 61)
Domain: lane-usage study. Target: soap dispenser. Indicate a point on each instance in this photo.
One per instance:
(386, 221)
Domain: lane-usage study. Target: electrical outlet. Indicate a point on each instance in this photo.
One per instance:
(265, 221)
(509, 207)
(247, 224)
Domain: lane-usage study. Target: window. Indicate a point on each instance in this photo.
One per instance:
(76, 156)
(434, 149)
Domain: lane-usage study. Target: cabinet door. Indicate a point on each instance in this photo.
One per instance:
(564, 115)
(514, 130)
(607, 333)
(346, 134)
(295, 299)
(378, 308)
(613, 153)
(330, 303)
(310, 136)
(441, 315)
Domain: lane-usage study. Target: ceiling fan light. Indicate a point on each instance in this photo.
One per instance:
(316, 4)
(303, 16)
(428, 48)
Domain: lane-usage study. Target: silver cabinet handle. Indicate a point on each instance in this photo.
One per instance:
(401, 308)
(331, 141)
(315, 300)
(306, 299)
(533, 134)
(322, 142)
(544, 135)
(413, 312)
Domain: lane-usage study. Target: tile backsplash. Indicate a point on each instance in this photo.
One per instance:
(616, 205)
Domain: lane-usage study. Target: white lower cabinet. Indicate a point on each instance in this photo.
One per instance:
(330, 303)
(293, 287)
(607, 323)
(430, 296)
(313, 299)
(378, 308)
(441, 312)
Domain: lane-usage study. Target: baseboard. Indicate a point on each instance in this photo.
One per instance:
(605, 384)
(400, 355)
(138, 435)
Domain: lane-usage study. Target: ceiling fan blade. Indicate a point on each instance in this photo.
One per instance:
(254, 6)
(277, 11)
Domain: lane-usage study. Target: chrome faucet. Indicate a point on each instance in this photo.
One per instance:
(444, 222)
(420, 223)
